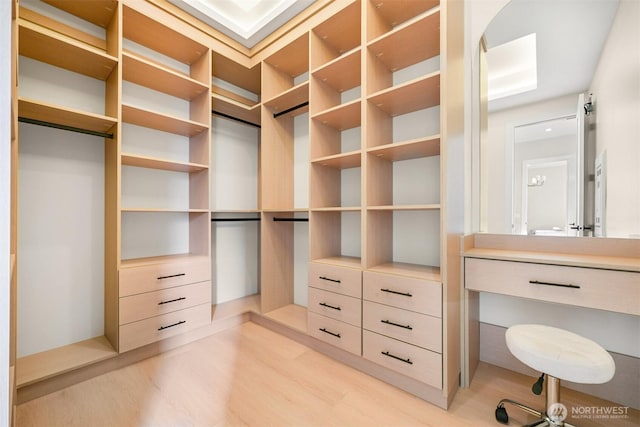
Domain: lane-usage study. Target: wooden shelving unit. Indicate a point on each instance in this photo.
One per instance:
(47, 40)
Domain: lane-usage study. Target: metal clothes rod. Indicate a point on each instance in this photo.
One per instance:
(65, 127)
(288, 110)
(227, 116)
(291, 219)
(234, 219)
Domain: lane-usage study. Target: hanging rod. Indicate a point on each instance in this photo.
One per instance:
(227, 116)
(291, 219)
(288, 110)
(234, 219)
(65, 127)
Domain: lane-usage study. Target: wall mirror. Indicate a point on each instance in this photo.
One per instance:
(560, 119)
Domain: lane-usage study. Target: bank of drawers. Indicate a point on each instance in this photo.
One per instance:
(334, 312)
(617, 291)
(402, 322)
(162, 300)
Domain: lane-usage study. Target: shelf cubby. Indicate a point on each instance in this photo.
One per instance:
(417, 94)
(289, 99)
(98, 12)
(336, 236)
(150, 74)
(230, 102)
(336, 35)
(60, 50)
(150, 119)
(404, 242)
(385, 15)
(342, 117)
(282, 70)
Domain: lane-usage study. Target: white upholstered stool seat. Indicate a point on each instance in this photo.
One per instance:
(561, 354)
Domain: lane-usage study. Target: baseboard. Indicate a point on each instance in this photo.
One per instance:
(622, 389)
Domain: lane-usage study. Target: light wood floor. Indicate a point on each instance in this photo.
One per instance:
(252, 376)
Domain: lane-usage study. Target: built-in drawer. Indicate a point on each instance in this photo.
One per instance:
(339, 334)
(135, 280)
(149, 304)
(415, 362)
(146, 331)
(422, 296)
(342, 280)
(408, 326)
(585, 287)
(337, 306)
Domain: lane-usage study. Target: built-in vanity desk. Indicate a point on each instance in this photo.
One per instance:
(592, 273)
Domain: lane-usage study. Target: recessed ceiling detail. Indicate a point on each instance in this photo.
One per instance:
(246, 21)
(512, 67)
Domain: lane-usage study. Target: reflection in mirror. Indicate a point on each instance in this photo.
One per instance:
(563, 90)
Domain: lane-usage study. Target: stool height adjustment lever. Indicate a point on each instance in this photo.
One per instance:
(537, 386)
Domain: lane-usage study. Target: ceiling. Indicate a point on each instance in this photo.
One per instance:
(246, 21)
(570, 35)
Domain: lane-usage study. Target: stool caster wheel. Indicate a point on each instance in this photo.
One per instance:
(501, 415)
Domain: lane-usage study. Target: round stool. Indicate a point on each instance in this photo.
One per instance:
(559, 355)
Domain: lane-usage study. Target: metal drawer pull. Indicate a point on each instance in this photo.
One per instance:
(389, 322)
(172, 300)
(330, 280)
(561, 285)
(172, 325)
(324, 304)
(329, 332)
(386, 353)
(405, 294)
(173, 275)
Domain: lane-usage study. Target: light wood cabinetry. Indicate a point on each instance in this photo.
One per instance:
(283, 198)
(343, 188)
(162, 65)
(53, 56)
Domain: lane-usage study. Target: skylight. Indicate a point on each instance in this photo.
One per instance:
(247, 21)
(512, 67)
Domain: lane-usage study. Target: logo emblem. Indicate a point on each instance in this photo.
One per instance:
(557, 412)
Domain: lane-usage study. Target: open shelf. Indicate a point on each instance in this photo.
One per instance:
(384, 15)
(98, 12)
(336, 35)
(152, 75)
(414, 149)
(236, 109)
(46, 364)
(144, 30)
(344, 261)
(292, 60)
(410, 43)
(340, 161)
(155, 163)
(42, 111)
(163, 210)
(425, 207)
(342, 117)
(236, 74)
(336, 235)
(417, 94)
(412, 270)
(164, 259)
(45, 45)
(293, 97)
(342, 73)
(163, 122)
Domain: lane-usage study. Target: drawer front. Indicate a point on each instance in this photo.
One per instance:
(340, 307)
(342, 280)
(417, 295)
(334, 332)
(408, 326)
(157, 328)
(585, 287)
(149, 304)
(417, 363)
(149, 278)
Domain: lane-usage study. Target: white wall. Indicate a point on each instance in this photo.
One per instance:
(616, 91)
